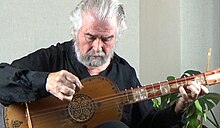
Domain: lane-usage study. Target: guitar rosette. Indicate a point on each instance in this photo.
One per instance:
(81, 108)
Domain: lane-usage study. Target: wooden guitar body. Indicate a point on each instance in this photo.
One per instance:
(51, 112)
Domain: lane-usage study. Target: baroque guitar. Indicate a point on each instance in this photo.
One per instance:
(91, 107)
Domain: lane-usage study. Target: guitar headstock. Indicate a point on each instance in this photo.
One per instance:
(212, 77)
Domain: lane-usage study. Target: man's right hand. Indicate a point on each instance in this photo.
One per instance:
(63, 84)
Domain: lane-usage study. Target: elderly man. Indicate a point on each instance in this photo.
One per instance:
(58, 70)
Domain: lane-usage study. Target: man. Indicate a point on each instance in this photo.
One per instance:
(57, 70)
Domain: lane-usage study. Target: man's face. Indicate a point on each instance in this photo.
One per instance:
(95, 41)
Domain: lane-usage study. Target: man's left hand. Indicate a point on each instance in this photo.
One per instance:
(189, 95)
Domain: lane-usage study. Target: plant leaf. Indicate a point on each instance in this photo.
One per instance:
(190, 73)
(198, 106)
(205, 116)
(156, 103)
(206, 104)
(193, 123)
(215, 97)
(169, 78)
(164, 101)
(191, 110)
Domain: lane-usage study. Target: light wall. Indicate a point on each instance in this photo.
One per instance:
(29, 25)
(159, 40)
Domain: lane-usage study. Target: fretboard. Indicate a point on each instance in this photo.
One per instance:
(167, 87)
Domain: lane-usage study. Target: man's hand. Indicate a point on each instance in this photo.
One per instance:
(63, 84)
(188, 97)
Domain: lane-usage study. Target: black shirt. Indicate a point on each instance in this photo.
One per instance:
(24, 80)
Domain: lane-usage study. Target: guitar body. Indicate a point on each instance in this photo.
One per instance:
(50, 112)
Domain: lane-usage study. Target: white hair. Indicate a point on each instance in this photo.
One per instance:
(104, 10)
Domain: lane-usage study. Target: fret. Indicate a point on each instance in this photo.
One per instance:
(151, 91)
(168, 84)
(154, 90)
(139, 94)
(165, 88)
(186, 81)
(181, 83)
(157, 89)
(200, 80)
(174, 87)
(177, 84)
(127, 97)
(212, 77)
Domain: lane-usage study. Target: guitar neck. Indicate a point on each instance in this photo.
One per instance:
(167, 87)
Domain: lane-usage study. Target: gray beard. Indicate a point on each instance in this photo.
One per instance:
(90, 58)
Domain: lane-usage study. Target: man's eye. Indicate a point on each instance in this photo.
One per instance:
(107, 39)
(90, 38)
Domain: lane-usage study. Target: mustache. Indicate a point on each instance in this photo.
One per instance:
(92, 53)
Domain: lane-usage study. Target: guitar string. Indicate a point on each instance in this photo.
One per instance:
(45, 121)
(119, 96)
(110, 103)
(64, 120)
(67, 120)
(39, 120)
(130, 92)
(123, 93)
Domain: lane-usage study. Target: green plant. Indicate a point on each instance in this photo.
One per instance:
(196, 112)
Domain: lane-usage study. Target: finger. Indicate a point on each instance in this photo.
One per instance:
(183, 92)
(67, 76)
(63, 75)
(70, 80)
(69, 84)
(68, 98)
(197, 85)
(59, 95)
(66, 90)
(62, 96)
(194, 94)
(193, 90)
(204, 90)
(73, 79)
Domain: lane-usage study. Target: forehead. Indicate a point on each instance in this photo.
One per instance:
(93, 24)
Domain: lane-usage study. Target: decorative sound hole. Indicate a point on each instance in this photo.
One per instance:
(81, 108)
(16, 123)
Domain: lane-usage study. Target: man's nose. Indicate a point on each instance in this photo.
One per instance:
(97, 45)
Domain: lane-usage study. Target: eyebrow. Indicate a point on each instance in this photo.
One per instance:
(111, 36)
